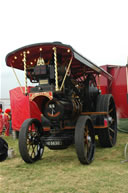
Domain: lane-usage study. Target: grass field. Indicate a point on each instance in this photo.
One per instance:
(60, 171)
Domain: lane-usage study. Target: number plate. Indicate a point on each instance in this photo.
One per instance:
(53, 143)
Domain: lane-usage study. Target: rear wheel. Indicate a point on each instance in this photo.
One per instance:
(107, 136)
(84, 139)
(30, 146)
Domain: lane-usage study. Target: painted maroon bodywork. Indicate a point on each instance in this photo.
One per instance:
(117, 87)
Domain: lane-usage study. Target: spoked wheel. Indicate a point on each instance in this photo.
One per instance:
(107, 136)
(84, 139)
(30, 146)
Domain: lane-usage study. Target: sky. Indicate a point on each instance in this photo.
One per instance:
(97, 29)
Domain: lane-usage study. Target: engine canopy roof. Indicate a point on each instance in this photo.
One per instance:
(79, 67)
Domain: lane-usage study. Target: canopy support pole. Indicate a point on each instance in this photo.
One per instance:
(25, 72)
(56, 70)
(67, 70)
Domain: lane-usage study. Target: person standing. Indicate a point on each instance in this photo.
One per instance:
(6, 121)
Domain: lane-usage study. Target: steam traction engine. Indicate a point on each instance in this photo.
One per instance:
(72, 109)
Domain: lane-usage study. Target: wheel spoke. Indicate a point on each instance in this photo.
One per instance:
(32, 147)
(88, 142)
(110, 110)
(111, 129)
(86, 139)
(33, 151)
(113, 120)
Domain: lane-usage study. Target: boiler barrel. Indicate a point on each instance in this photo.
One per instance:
(58, 109)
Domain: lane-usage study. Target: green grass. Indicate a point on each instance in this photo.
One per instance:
(61, 172)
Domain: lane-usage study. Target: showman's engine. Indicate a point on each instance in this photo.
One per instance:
(67, 99)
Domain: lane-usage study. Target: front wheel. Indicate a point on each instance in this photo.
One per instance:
(30, 146)
(85, 139)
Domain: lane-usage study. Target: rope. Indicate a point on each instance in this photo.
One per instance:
(125, 153)
(17, 79)
(122, 130)
(123, 124)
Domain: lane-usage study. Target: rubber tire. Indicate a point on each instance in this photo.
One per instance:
(104, 134)
(23, 141)
(80, 140)
(3, 149)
